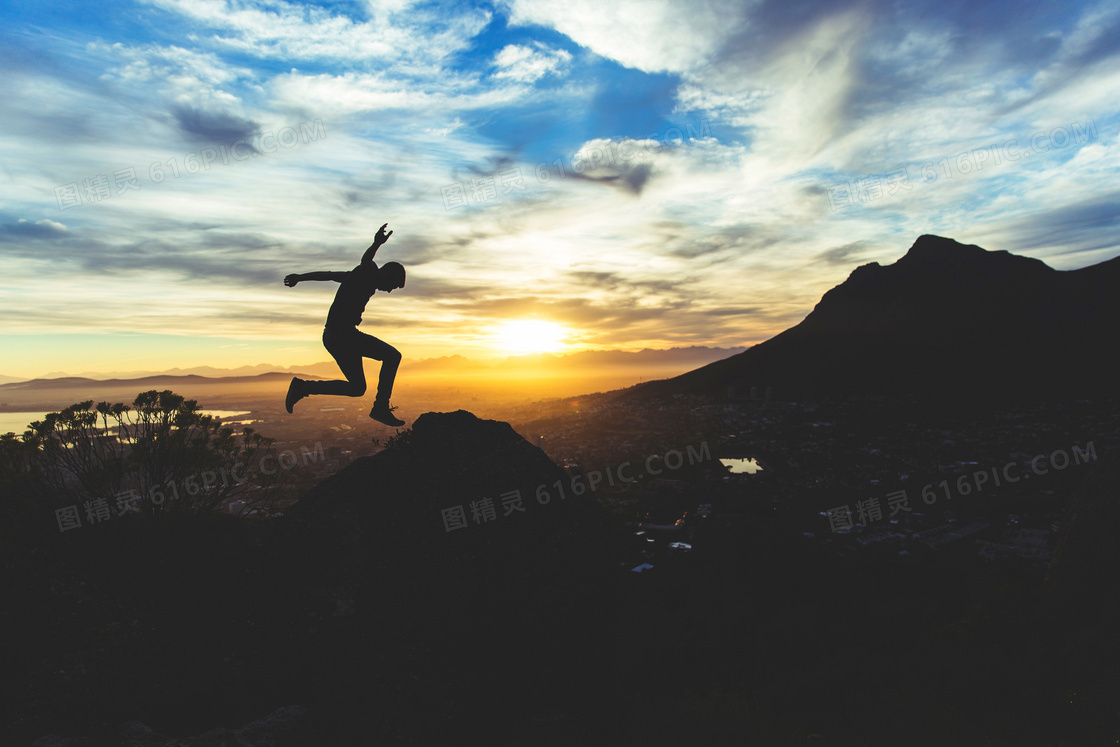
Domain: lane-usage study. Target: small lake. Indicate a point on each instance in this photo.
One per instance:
(741, 466)
(17, 422)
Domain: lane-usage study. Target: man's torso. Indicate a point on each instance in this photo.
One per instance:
(353, 294)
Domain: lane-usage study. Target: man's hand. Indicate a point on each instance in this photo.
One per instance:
(378, 240)
(291, 280)
(381, 236)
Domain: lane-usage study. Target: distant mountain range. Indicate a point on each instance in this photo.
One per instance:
(51, 394)
(946, 319)
(529, 376)
(138, 384)
(678, 358)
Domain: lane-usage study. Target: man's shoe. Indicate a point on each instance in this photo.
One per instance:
(295, 393)
(382, 413)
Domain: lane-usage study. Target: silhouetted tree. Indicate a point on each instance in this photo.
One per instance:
(160, 455)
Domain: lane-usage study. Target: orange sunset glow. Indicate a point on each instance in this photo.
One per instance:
(530, 336)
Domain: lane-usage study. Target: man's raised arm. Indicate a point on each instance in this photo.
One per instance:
(294, 278)
(378, 240)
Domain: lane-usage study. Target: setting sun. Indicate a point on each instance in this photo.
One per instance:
(530, 336)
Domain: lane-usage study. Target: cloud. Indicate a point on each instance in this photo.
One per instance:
(843, 255)
(176, 67)
(213, 126)
(655, 36)
(630, 177)
(277, 29)
(24, 229)
(528, 64)
(1072, 228)
(351, 93)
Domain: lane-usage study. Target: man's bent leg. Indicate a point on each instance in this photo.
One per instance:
(388, 375)
(390, 358)
(346, 349)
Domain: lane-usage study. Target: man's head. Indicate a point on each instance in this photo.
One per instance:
(390, 276)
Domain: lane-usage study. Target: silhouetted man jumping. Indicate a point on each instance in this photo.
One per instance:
(343, 340)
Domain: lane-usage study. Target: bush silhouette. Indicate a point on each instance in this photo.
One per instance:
(161, 455)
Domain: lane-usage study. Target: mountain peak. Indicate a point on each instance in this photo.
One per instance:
(948, 319)
(445, 458)
(938, 251)
(464, 433)
(929, 246)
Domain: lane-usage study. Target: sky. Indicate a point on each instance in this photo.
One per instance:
(558, 175)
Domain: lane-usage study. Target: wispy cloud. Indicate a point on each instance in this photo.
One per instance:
(740, 121)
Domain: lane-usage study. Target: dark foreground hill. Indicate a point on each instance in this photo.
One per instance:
(492, 623)
(358, 607)
(358, 619)
(946, 319)
(1086, 567)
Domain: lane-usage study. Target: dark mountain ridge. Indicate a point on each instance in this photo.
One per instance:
(945, 319)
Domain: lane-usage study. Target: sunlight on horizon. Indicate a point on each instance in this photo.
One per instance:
(530, 336)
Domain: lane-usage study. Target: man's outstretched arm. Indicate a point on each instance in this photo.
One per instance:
(378, 240)
(294, 278)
